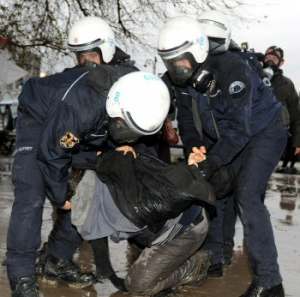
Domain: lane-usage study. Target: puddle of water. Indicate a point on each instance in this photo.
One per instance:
(282, 201)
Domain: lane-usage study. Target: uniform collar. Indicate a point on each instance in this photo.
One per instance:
(120, 57)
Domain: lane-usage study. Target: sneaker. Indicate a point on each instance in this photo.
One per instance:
(215, 270)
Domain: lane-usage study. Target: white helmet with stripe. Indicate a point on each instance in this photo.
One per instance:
(141, 99)
(182, 46)
(91, 33)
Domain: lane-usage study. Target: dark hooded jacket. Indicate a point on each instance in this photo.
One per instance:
(286, 93)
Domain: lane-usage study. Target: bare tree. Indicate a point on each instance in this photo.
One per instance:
(41, 26)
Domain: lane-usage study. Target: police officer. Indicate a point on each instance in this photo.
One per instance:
(220, 241)
(239, 122)
(93, 42)
(220, 238)
(58, 118)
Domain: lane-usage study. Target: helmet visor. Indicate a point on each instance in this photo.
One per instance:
(181, 68)
(214, 24)
(175, 51)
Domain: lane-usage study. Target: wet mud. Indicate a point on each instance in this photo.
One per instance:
(283, 203)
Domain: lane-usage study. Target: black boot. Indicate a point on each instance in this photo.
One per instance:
(258, 291)
(215, 270)
(25, 287)
(68, 272)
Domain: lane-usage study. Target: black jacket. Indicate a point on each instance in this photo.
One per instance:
(286, 93)
(149, 192)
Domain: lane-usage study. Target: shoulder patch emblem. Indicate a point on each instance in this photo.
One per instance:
(69, 140)
(236, 87)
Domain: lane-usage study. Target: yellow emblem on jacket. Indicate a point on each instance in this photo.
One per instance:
(69, 140)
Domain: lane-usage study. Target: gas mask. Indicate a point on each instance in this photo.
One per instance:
(181, 68)
(203, 81)
(120, 132)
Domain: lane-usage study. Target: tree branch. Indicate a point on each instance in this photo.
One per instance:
(126, 32)
(84, 11)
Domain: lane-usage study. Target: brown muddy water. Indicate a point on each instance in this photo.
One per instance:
(283, 203)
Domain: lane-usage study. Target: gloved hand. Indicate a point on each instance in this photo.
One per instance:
(222, 181)
(207, 168)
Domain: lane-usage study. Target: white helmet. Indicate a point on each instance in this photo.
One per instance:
(141, 99)
(90, 33)
(218, 30)
(182, 40)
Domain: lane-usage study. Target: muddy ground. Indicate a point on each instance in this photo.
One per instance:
(284, 205)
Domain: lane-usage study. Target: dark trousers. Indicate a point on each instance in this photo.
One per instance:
(24, 233)
(230, 217)
(254, 167)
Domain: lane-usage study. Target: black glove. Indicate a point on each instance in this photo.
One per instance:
(222, 182)
(207, 168)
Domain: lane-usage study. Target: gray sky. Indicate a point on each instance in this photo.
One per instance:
(281, 27)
